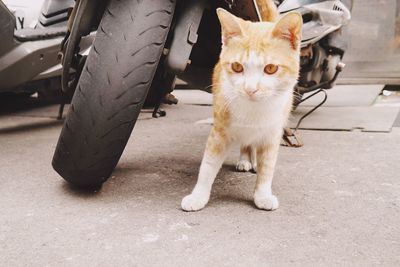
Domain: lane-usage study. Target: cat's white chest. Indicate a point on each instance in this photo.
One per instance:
(253, 133)
(256, 124)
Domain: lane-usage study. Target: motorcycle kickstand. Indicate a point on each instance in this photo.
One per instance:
(158, 112)
(164, 95)
(60, 111)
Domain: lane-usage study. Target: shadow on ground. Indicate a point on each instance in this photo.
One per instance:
(14, 104)
(30, 126)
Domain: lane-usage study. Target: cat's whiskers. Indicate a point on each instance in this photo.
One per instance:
(212, 85)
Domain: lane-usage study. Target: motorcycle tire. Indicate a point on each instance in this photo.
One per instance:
(111, 90)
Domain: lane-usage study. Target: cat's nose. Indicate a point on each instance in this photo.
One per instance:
(250, 91)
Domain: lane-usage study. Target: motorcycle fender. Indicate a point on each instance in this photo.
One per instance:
(185, 35)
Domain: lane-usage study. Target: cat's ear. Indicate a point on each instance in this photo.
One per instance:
(289, 28)
(230, 25)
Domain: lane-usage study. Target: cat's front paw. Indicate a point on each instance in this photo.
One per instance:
(268, 202)
(194, 202)
(244, 166)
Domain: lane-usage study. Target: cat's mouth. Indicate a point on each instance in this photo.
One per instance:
(251, 97)
(259, 96)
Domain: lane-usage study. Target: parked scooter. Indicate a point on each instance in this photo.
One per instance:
(30, 46)
(140, 48)
(323, 44)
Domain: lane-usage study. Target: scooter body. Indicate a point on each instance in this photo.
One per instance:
(30, 45)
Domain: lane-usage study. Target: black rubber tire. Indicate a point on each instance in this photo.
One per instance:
(112, 88)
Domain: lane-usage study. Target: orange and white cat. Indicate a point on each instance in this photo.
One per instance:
(252, 98)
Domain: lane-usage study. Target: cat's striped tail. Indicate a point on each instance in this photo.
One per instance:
(268, 10)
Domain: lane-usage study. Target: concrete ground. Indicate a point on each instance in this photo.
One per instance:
(339, 201)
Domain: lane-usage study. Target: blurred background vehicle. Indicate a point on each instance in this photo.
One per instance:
(31, 34)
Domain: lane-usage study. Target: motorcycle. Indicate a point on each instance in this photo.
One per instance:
(140, 49)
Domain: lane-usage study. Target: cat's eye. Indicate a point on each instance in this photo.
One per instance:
(270, 69)
(237, 67)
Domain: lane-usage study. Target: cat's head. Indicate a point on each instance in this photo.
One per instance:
(259, 60)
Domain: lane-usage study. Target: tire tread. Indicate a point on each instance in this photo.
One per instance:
(112, 89)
